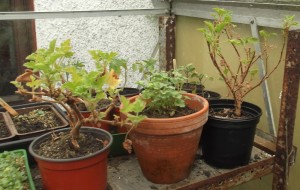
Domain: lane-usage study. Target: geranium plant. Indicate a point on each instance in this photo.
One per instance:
(53, 75)
(240, 80)
(162, 90)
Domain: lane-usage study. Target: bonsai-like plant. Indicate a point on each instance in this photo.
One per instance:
(53, 76)
(240, 81)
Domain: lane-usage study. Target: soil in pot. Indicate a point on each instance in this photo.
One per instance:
(63, 149)
(6, 133)
(36, 120)
(177, 113)
(3, 130)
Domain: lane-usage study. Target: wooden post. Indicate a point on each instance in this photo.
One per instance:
(284, 148)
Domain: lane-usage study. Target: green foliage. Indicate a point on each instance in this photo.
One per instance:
(163, 92)
(239, 79)
(132, 109)
(146, 67)
(54, 73)
(192, 76)
(13, 174)
(109, 61)
(289, 21)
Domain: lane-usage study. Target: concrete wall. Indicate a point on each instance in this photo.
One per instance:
(133, 37)
(191, 48)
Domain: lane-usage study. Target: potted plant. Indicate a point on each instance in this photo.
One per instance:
(229, 133)
(166, 142)
(195, 82)
(75, 158)
(15, 171)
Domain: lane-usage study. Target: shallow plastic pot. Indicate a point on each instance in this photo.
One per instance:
(88, 172)
(227, 143)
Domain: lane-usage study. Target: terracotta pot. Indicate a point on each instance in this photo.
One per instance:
(166, 148)
(88, 172)
(99, 124)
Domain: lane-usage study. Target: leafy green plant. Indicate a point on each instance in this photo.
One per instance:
(13, 173)
(240, 81)
(194, 78)
(53, 76)
(162, 90)
(146, 67)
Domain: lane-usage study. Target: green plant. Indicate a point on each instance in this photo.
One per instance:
(13, 173)
(51, 72)
(162, 90)
(146, 67)
(240, 81)
(193, 77)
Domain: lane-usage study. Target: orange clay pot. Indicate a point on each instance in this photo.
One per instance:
(166, 148)
(88, 172)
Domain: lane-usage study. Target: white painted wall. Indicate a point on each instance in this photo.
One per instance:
(133, 37)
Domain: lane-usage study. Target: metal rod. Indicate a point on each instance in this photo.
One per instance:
(284, 147)
(23, 15)
(265, 88)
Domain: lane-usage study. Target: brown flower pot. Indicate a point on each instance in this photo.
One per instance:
(166, 148)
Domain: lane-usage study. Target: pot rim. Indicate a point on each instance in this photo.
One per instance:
(69, 159)
(163, 120)
(255, 111)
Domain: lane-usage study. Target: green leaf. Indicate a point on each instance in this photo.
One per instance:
(225, 71)
(253, 72)
(210, 25)
(235, 42)
(136, 119)
(220, 27)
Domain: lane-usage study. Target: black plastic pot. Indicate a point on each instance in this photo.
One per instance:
(190, 87)
(227, 143)
(209, 95)
(129, 92)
